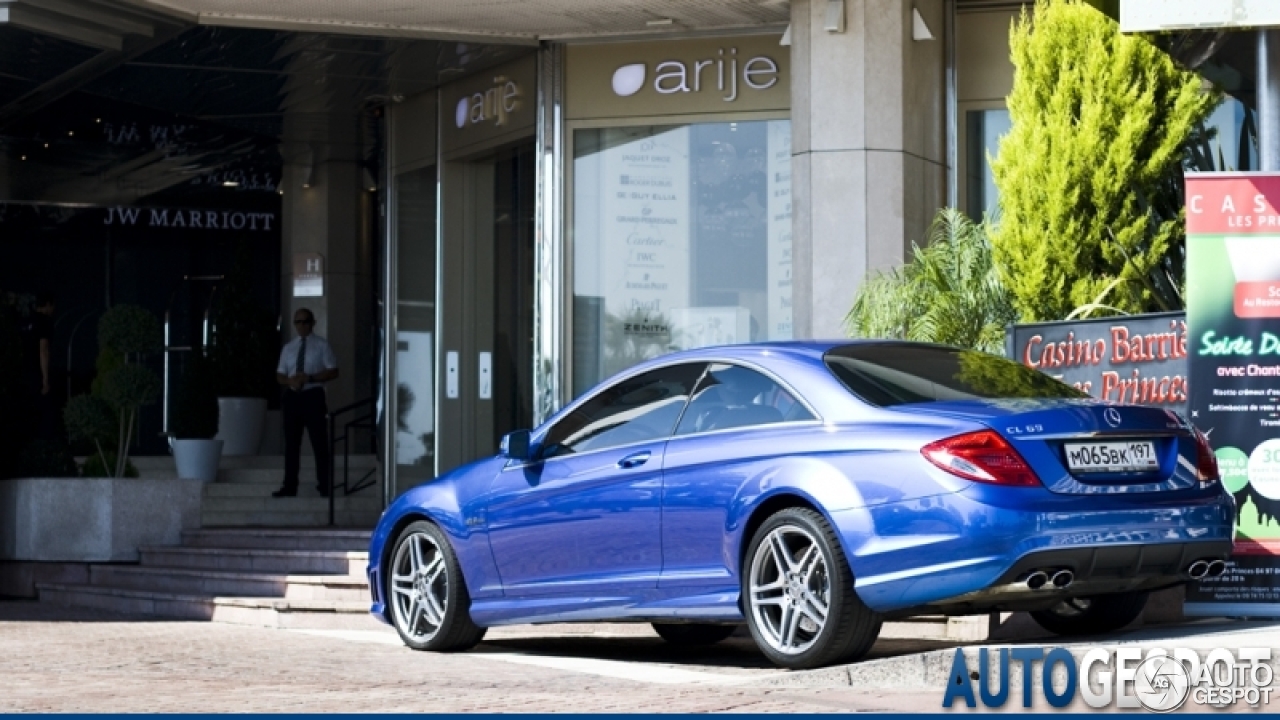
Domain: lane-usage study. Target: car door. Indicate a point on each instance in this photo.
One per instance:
(737, 424)
(584, 516)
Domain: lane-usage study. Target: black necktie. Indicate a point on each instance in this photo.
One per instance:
(300, 363)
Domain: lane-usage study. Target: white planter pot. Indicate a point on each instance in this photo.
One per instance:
(240, 422)
(197, 459)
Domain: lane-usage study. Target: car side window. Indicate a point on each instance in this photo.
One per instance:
(645, 407)
(732, 396)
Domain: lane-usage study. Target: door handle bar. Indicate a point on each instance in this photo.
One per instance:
(634, 460)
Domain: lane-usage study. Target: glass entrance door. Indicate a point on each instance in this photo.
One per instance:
(513, 274)
(486, 300)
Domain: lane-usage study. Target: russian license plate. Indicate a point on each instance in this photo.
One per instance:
(1132, 456)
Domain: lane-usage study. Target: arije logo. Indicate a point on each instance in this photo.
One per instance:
(675, 76)
(494, 104)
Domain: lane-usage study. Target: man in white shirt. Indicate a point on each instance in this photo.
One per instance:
(306, 363)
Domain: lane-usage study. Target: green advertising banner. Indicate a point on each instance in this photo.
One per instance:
(1233, 323)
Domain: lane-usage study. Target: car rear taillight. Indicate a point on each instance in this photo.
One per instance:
(982, 457)
(1206, 462)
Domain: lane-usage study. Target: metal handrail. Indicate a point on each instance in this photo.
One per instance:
(365, 421)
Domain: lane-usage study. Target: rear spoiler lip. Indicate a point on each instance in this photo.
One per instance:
(1106, 435)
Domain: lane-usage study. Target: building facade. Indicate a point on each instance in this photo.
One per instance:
(492, 207)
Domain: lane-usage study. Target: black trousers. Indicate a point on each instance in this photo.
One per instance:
(306, 409)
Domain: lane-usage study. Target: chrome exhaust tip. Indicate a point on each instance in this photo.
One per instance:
(1062, 578)
(1216, 568)
(1037, 579)
(1198, 569)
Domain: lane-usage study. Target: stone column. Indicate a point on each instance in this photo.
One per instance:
(868, 115)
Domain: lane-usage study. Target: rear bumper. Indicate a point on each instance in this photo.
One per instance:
(980, 545)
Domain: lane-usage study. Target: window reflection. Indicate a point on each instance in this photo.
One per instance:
(682, 239)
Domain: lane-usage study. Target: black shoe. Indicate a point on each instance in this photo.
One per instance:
(285, 492)
(324, 491)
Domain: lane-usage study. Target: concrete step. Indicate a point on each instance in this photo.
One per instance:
(134, 602)
(353, 519)
(184, 581)
(301, 503)
(268, 538)
(328, 562)
(306, 461)
(295, 614)
(262, 612)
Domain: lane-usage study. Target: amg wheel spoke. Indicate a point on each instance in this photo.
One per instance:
(787, 626)
(781, 556)
(815, 608)
(434, 609)
(435, 567)
(809, 562)
(413, 616)
(405, 591)
(415, 560)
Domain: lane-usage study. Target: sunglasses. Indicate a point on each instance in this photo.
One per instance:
(303, 322)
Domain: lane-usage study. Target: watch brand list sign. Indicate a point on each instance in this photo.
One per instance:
(747, 73)
(1233, 324)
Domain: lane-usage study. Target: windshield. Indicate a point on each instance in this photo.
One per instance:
(886, 374)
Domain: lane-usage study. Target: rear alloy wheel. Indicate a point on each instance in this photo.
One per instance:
(428, 598)
(799, 598)
(1092, 615)
(693, 634)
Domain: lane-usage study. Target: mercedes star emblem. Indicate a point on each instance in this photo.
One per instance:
(1112, 416)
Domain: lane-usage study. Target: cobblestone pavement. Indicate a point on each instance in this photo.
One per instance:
(70, 660)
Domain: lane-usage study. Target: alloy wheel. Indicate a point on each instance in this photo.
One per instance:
(420, 587)
(790, 589)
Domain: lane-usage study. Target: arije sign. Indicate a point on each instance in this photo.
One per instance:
(677, 76)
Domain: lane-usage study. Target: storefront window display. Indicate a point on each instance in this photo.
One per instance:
(681, 239)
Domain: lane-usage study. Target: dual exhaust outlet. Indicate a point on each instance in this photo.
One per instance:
(1206, 569)
(1049, 579)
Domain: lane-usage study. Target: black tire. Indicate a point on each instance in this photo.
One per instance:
(1092, 616)
(850, 627)
(455, 630)
(693, 634)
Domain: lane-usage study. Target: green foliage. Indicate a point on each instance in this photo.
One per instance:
(950, 293)
(106, 363)
(245, 340)
(131, 386)
(107, 417)
(129, 329)
(1091, 166)
(47, 458)
(90, 418)
(104, 466)
(195, 414)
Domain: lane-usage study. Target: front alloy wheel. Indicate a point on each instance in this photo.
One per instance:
(429, 601)
(800, 603)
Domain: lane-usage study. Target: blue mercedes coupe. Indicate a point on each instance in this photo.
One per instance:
(810, 490)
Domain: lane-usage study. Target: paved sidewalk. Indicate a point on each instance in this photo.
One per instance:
(70, 660)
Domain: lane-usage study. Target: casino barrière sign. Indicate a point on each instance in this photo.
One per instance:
(1138, 359)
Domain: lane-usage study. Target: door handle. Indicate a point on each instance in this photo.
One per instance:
(634, 460)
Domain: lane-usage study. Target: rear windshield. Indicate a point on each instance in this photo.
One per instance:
(886, 374)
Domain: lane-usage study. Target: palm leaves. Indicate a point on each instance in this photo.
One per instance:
(950, 293)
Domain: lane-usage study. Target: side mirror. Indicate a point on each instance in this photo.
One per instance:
(515, 445)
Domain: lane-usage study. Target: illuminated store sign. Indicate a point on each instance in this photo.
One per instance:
(749, 73)
(676, 76)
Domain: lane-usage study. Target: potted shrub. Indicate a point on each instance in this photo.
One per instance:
(244, 353)
(129, 332)
(195, 423)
